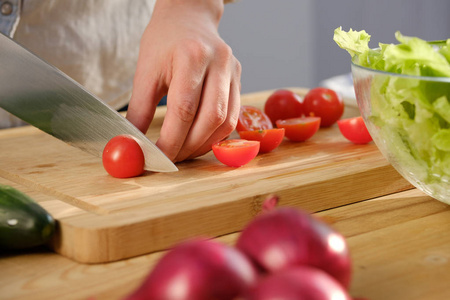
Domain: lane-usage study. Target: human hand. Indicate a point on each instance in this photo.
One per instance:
(182, 55)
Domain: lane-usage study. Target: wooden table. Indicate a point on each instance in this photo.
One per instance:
(399, 245)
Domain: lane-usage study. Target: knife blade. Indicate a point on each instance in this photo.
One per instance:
(45, 97)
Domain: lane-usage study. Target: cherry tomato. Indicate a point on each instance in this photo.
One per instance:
(282, 105)
(300, 129)
(252, 118)
(324, 103)
(355, 130)
(269, 138)
(235, 153)
(123, 157)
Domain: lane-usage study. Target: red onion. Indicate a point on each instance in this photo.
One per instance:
(198, 269)
(298, 283)
(286, 237)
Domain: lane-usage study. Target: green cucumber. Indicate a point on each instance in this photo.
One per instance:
(23, 222)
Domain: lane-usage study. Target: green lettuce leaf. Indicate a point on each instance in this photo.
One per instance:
(355, 42)
(412, 114)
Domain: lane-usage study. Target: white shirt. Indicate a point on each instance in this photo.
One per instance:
(95, 42)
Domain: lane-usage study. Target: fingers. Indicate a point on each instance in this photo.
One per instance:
(182, 101)
(141, 111)
(144, 99)
(201, 78)
(219, 109)
(201, 113)
(227, 127)
(211, 114)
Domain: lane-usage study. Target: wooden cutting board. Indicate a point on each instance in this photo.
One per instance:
(104, 219)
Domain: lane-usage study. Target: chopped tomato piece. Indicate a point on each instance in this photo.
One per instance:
(269, 138)
(355, 130)
(300, 129)
(252, 118)
(237, 152)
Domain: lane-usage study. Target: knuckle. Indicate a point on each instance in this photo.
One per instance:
(218, 117)
(225, 51)
(218, 113)
(233, 118)
(186, 111)
(196, 51)
(229, 125)
(191, 83)
(224, 54)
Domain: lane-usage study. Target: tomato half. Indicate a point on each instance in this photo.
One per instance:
(235, 153)
(300, 129)
(355, 130)
(282, 105)
(269, 138)
(252, 118)
(324, 103)
(123, 157)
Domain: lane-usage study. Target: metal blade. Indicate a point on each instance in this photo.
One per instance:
(46, 98)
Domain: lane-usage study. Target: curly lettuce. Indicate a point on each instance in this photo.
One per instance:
(412, 113)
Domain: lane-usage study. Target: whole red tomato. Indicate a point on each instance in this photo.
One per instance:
(282, 105)
(324, 103)
(123, 157)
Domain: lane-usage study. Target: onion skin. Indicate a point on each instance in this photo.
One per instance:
(286, 237)
(333, 255)
(198, 269)
(298, 283)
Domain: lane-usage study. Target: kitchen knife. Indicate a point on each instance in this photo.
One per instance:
(48, 99)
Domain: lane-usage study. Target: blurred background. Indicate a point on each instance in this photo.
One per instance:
(289, 43)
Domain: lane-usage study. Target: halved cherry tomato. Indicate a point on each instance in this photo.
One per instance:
(282, 105)
(269, 138)
(235, 153)
(252, 118)
(324, 103)
(123, 157)
(300, 129)
(355, 130)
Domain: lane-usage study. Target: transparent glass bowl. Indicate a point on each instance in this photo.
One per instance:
(396, 111)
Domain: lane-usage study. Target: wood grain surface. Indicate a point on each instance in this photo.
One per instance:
(399, 244)
(399, 241)
(104, 219)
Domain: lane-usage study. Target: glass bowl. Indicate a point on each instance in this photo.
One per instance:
(409, 120)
